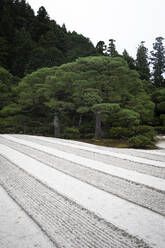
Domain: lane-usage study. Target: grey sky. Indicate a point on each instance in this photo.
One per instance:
(127, 21)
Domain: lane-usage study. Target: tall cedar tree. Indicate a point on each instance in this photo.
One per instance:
(101, 48)
(142, 64)
(23, 36)
(158, 62)
(112, 48)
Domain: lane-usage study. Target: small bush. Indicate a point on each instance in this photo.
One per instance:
(161, 107)
(141, 141)
(120, 132)
(87, 128)
(145, 130)
(88, 136)
(162, 118)
(160, 129)
(71, 133)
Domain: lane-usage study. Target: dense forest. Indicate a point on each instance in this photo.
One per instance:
(56, 82)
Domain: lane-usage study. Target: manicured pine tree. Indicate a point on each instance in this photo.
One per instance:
(142, 64)
(158, 62)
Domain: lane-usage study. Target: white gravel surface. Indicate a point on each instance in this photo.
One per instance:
(108, 153)
(17, 230)
(106, 158)
(116, 207)
(161, 142)
(140, 178)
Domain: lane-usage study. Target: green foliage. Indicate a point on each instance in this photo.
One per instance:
(143, 105)
(107, 88)
(10, 109)
(141, 141)
(161, 107)
(127, 118)
(71, 133)
(109, 108)
(142, 64)
(92, 95)
(101, 48)
(21, 51)
(93, 84)
(120, 133)
(29, 88)
(148, 87)
(162, 118)
(29, 42)
(15, 124)
(59, 105)
(83, 109)
(145, 130)
(158, 98)
(3, 52)
(41, 57)
(112, 48)
(78, 46)
(160, 129)
(158, 62)
(7, 81)
(129, 59)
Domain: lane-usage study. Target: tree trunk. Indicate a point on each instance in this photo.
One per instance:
(56, 123)
(98, 130)
(80, 120)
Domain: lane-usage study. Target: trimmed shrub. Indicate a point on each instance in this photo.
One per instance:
(88, 136)
(71, 133)
(161, 107)
(127, 118)
(87, 128)
(141, 141)
(120, 132)
(162, 118)
(160, 129)
(145, 130)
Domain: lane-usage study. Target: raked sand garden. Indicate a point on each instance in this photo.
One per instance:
(63, 193)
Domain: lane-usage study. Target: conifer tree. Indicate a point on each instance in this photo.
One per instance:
(101, 47)
(129, 59)
(158, 62)
(112, 48)
(142, 64)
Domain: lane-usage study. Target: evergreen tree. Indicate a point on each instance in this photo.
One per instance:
(41, 24)
(112, 48)
(6, 81)
(3, 52)
(42, 14)
(129, 59)
(79, 46)
(142, 64)
(6, 19)
(102, 108)
(158, 62)
(22, 15)
(21, 51)
(101, 48)
(23, 35)
(64, 28)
